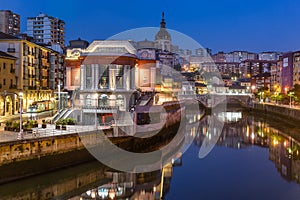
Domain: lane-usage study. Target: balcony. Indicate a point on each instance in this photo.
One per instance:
(11, 50)
(99, 109)
(31, 87)
(13, 87)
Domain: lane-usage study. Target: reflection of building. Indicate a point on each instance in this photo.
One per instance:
(46, 29)
(9, 22)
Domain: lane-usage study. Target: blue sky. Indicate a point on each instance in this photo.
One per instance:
(253, 25)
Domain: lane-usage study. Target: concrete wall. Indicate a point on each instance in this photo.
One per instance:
(20, 159)
(280, 111)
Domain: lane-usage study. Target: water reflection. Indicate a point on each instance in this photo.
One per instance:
(241, 131)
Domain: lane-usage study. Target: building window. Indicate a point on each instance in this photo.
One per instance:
(4, 82)
(104, 77)
(88, 76)
(119, 76)
(4, 65)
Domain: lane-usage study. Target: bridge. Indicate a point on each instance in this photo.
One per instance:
(211, 100)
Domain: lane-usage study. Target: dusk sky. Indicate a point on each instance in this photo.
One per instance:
(252, 25)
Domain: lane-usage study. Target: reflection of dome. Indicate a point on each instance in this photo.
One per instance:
(163, 33)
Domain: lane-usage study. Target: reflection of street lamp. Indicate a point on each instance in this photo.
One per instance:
(21, 136)
(253, 88)
(260, 95)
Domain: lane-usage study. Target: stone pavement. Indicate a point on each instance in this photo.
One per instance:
(6, 136)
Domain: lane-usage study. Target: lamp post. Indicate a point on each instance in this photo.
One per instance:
(291, 94)
(21, 136)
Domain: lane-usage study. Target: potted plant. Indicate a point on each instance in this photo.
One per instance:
(58, 124)
(8, 125)
(70, 121)
(64, 123)
(44, 125)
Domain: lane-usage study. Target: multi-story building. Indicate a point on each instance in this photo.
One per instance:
(106, 78)
(219, 57)
(34, 69)
(8, 86)
(255, 67)
(9, 22)
(262, 80)
(296, 70)
(239, 56)
(46, 30)
(287, 71)
(229, 68)
(276, 76)
(270, 55)
(204, 52)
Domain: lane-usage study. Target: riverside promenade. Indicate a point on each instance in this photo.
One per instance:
(39, 132)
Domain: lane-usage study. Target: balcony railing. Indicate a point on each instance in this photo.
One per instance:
(11, 50)
(99, 109)
(13, 87)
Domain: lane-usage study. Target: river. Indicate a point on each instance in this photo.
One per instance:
(248, 157)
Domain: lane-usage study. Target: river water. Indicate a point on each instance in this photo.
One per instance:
(252, 157)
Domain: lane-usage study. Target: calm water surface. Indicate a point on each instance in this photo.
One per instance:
(254, 158)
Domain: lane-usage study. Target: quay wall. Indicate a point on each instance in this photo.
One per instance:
(285, 112)
(23, 158)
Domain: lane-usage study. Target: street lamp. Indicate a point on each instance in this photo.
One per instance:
(21, 136)
(291, 94)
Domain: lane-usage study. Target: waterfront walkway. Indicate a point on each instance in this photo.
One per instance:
(6, 136)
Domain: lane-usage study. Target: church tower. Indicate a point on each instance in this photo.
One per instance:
(163, 38)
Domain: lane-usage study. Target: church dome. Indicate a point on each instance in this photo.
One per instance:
(163, 35)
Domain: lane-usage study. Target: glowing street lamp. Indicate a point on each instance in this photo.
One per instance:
(291, 95)
(20, 135)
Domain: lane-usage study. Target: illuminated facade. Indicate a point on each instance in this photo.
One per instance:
(8, 87)
(105, 81)
(296, 70)
(37, 69)
(46, 29)
(9, 22)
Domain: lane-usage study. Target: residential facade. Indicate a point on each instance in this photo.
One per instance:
(35, 71)
(46, 30)
(8, 87)
(287, 71)
(9, 22)
(296, 68)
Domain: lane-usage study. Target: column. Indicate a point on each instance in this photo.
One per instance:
(96, 76)
(112, 77)
(68, 77)
(93, 76)
(82, 77)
